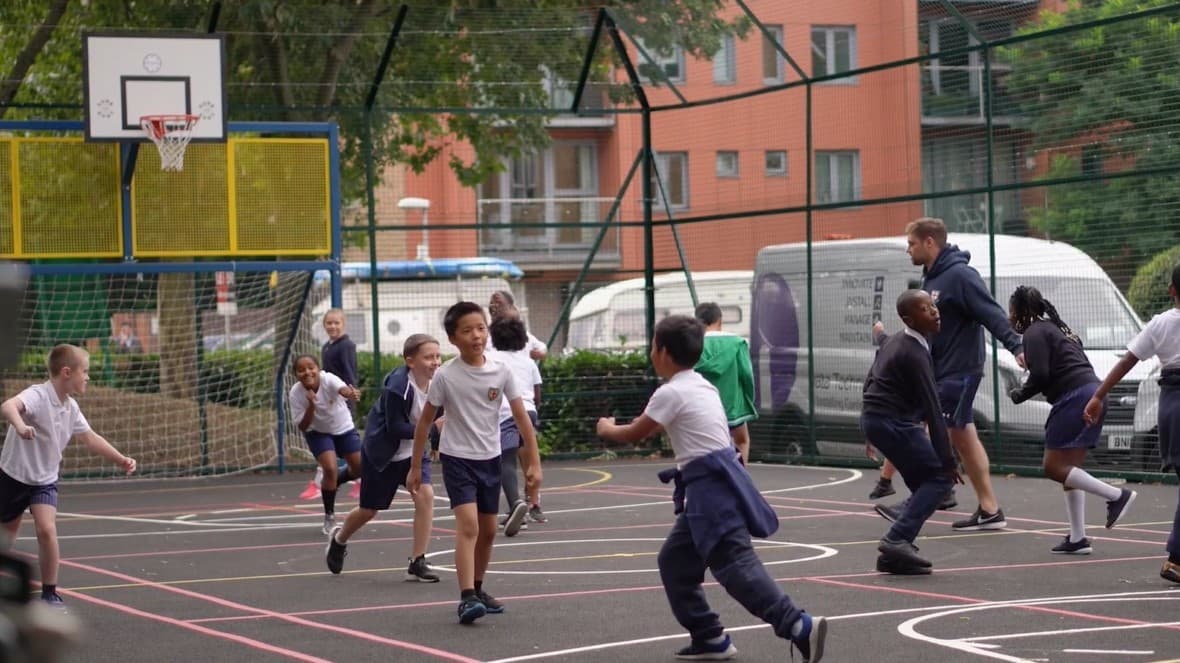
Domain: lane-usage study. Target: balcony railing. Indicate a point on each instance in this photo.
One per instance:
(955, 93)
(515, 228)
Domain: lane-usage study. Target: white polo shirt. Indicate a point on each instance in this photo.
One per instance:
(332, 415)
(1160, 337)
(527, 375)
(689, 408)
(471, 396)
(36, 462)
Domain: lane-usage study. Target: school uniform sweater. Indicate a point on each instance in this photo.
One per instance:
(1056, 364)
(339, 357)
(717, 496)
(725, 363)
(389, 420)
(901, 386)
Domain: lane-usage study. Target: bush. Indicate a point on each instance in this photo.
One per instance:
(1148, 292)
(370, 385)
(583, 386)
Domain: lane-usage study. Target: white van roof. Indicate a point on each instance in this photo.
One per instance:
(600, 298)
(1014, 255)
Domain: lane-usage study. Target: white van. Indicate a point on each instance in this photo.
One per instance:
(857, 281)
(412, 297)
(611, 317)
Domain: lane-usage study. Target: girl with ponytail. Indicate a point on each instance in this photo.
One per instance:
(1060, 370)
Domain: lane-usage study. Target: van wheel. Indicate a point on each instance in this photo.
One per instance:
(789, 439)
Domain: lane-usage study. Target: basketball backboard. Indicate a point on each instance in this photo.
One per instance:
(129, 75)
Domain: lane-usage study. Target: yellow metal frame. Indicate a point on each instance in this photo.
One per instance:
(15, 186)
(231, 201)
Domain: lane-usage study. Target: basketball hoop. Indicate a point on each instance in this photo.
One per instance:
(171, 134)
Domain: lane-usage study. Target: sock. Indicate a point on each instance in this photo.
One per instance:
(344, 477)
(48, 590)
(329, 498)
(1075, 509)
(797, 627)
(716, 641)
(478, 586)
(1081, 479)
(466, 594)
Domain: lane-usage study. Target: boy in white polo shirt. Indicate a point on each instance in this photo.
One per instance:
(717, 505)
(470, 387)
(41, 421)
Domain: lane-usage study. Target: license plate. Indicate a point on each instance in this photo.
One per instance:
(1119, 441)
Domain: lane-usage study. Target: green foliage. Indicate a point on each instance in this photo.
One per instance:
(1148, 293)
(581, 387)
(370, 385)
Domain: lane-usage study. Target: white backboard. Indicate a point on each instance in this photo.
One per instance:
(127, 75)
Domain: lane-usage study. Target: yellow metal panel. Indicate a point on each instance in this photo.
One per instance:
(68, 202)
(283, 200)
(9, 221)
(185, 213)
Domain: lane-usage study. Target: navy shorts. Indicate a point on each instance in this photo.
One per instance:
(379, 486)
(956, 394)
(343, 444)
(470, 481)
(510, 434)
(15, 497)
(1065, 429)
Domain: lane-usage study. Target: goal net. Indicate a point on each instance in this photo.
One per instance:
(187, 368)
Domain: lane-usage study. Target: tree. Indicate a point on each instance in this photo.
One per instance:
(1103, 101)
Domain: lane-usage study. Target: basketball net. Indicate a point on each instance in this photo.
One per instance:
(171, 134)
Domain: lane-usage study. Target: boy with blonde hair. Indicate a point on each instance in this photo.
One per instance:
(41, 421)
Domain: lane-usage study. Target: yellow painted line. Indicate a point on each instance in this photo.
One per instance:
(603, 477)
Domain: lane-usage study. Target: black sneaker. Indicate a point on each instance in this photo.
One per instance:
(1067, 547)
(493, 606)
(1116, 509)
(810, 641)
(884, 488)
(537, 515)
(890, 513)
(54, 600)
(512, 525)
(703, 651)
(949, 502)
(418, 571)
(885, 564)
(336, 552)
(981, 520)
(902, 552)
(471, 609)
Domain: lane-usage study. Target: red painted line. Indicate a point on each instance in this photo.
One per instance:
(249, 642)
(233, 605)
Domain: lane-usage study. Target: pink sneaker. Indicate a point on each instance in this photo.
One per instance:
(355, 492)
(311, 492)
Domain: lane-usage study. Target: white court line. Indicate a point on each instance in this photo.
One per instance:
(1124, 652)
(833, 618)
(1070, 631)
(148, 521)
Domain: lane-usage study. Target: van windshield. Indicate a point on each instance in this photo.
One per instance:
(1091, 308)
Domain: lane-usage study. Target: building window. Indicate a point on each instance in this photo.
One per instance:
(776, 163)
(837, 176)
(774, 66)
(725, 62)
(727, 164)
(652, 63)
(833, 50)
(672, 169)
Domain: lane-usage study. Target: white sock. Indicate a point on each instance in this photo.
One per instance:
(797, 628)
(716, 641)
(1081, 479)
(1075, 508)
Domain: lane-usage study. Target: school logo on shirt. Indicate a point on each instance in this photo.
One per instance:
(934, 296)
(493, 394)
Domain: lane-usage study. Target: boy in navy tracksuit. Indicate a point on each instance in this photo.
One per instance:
(899, 395)
(718, 506)
(966, 307)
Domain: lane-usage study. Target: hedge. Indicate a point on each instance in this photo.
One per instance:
(1148, 292)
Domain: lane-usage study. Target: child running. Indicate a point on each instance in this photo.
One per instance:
(1160, 338)
(510, 339)
(41, 421)
(900, 394)
(717, 505)
(319, 408)
(385, 456)
(470, 387)
(1059, 368)
(338, 357)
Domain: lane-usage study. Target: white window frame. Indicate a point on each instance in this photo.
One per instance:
(725, 62)
(830, 32)
(728, 163)
(832, 194)
(775, 172)
(661, 60)
(545, 181)
(661, 166)
(780, 63)
(974, 58)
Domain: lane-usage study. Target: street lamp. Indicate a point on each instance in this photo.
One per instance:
(424, 205)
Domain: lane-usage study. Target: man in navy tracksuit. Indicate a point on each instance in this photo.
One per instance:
(966, 307)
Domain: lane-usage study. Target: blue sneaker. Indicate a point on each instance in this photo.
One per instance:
(490, 604)
(471, 609)
(54, 601)
(810, 641)
(699, 650)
